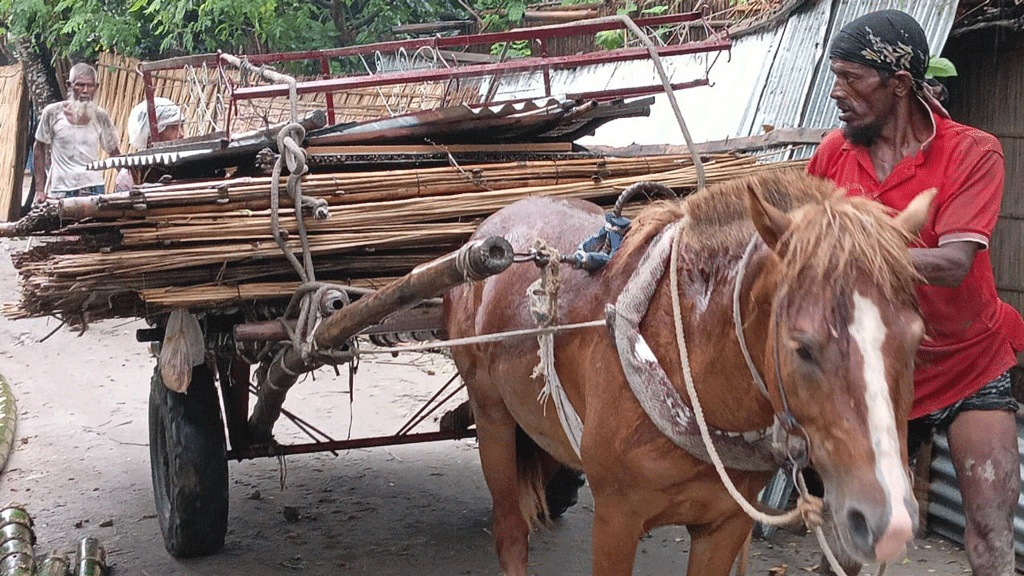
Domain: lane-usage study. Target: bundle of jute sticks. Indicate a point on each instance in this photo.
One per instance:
(210, 245)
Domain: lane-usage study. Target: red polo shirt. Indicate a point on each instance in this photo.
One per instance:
(971, 336)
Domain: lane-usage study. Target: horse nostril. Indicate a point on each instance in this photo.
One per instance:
(859, 530)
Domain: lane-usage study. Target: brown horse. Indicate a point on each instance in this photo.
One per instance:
(828, 310)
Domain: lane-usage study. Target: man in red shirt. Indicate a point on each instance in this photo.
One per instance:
(896, 142)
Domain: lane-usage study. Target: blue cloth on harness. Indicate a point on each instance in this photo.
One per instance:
(594, 252)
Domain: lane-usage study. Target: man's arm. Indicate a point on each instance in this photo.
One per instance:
(40, 152)
(946, 265)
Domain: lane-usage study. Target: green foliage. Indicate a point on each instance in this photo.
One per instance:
(517, 49)
(939, 67)
(609, 39)
(654, 10)
(152, 29)
(614, 39)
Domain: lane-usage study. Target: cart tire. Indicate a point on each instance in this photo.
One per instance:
(562, 491)
(187, 457)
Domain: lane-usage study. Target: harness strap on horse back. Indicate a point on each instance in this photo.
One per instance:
(752, 450)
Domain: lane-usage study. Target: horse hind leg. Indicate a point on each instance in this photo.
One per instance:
(497, 433)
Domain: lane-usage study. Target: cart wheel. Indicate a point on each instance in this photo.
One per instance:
(562, 490)
(188, 463)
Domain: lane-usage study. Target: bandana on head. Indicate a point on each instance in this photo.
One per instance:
(887, 40)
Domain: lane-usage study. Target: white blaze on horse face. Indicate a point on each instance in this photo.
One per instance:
(869, 331)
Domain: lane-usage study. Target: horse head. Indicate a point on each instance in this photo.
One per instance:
(841, 344)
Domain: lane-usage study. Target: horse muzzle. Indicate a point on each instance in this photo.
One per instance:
(878, 533)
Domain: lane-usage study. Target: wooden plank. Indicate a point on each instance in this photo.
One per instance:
(777, 137)
(426, 149)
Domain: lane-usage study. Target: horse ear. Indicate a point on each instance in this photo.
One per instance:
(771, 223)
(914, 215)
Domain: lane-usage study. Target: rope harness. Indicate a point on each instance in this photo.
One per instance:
(543, 298)
(305, 303)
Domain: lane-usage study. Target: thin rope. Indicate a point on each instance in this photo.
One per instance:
(483, 338)
(820, 535)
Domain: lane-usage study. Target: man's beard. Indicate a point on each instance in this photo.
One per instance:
(863, 135)
(82, 111)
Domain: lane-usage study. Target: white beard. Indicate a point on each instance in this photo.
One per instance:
(81, 111)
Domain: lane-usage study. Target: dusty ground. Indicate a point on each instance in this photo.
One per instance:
(81, 466)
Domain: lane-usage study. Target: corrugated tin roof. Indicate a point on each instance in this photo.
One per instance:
(779, 77)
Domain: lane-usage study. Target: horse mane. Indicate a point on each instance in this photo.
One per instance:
(834, 239)
(843, 240)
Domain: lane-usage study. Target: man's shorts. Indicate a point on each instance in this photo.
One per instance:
(86, 191)
(996, 395)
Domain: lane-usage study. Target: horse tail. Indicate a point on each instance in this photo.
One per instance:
(530, 460)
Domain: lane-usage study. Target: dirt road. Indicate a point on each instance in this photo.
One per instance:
(81, 466)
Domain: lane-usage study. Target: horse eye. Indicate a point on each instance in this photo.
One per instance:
(804, 353)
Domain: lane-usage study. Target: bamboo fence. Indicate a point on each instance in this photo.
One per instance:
(13, 128)
(210, 245)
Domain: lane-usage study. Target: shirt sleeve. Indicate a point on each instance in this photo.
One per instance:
(822, 161)
(971, 208)
(108, 134)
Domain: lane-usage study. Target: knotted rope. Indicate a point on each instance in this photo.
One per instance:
(543, 299)
(305, 302)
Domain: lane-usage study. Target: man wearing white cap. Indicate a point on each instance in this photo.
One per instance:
(169, 120)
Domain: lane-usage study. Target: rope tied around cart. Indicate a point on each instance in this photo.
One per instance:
(305, 303)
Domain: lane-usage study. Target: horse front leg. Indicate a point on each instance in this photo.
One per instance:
(496, 433)
(714, 548)
(617, 529)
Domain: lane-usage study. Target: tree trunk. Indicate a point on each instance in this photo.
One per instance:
(43, 89)
(43, 86)
(346, 36)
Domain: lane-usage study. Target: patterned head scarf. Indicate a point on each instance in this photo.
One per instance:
(887, 40)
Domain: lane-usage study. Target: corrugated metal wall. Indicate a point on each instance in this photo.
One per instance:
(779, 77)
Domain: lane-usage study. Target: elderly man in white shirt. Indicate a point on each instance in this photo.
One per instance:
(69, 137)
